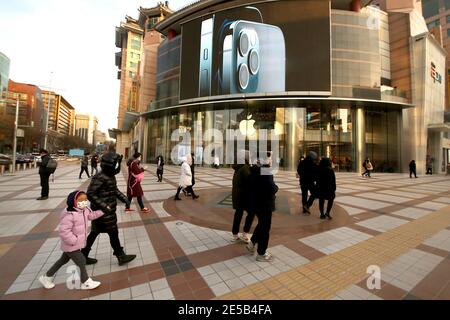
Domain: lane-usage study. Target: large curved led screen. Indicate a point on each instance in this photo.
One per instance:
(271, 48)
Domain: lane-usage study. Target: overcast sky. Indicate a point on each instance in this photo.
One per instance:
(76, 41)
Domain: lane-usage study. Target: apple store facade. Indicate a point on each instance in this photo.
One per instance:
(335, 93)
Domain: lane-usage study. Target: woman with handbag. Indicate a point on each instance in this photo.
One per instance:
(135, 177)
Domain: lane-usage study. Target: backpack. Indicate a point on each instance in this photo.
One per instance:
(51, 165)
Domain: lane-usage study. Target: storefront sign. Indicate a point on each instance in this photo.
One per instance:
(434, 74)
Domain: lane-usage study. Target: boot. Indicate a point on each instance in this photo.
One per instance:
(124, 258)
(328, 216)
(322, 216)
(86, 255)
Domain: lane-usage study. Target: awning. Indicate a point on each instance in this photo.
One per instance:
(439, 127)
(129, 119)
(113, 133)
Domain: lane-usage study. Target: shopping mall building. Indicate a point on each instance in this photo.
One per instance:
(346, 79)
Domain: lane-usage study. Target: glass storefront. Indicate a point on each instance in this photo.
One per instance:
(328, 131)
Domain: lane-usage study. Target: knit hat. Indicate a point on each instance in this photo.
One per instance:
(313, 155)
(72, 199)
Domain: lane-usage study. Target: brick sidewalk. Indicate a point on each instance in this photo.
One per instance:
(392, 221)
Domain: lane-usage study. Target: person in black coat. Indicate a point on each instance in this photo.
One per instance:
(103, 194)
(262, 204)
(160, 168)
(326, 184)
(240, 199)
(84, 166)
(44, 174)
(94, 164)
(412, 169)
(307, 172)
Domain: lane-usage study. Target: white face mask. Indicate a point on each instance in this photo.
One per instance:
(82, 204)
(139, 159)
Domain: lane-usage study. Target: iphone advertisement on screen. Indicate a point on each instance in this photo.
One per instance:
(267, 48)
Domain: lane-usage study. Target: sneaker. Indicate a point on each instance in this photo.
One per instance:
(266, 257)
(244, 237)
(47, 282)
(195, 197)
(129, 210)
(251, 247)
(177, 198)
(328, 216)
(90, 284)
(234, 238)
(145, 210)
(322, 216)
(42, 198)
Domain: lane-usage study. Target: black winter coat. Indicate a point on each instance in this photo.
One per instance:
(262, 190)
(103, 195)
(240, 190)
(326, 183)
(307, 171)
(43, 164)
(412, 166)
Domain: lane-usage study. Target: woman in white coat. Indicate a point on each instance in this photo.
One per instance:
(186, 178)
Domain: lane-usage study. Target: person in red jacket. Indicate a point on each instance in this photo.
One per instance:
(135, 177)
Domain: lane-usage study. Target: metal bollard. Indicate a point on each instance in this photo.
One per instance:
(17, 166)
(24, 166)
(10, 168)
(2, 170)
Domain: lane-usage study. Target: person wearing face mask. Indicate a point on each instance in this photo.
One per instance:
(103, 194)
(73, 233)
(135, 177)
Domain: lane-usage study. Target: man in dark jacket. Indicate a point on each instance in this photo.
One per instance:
(94, 164)
(44, 174)
(412, 169)
(240, 198)
(262, 203)
(326, 186)
(307, 171)
(103, 194)
(84, 166)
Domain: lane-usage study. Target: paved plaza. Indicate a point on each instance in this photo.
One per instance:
(391, 222)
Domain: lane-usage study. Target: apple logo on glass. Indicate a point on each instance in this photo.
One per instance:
(246, 126)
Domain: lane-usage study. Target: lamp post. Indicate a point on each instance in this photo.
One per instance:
(16, 123)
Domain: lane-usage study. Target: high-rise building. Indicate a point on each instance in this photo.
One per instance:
(437, 16)
(32, 117)
(4, 73)
(61, 119)
(85, 127)
(137, 63)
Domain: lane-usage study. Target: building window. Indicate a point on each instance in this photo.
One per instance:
(136, 43)
(151, 23)
(448, 33)
(430, 8)
(133, 65)
(434, 23)
(447, 4)
(132, 74)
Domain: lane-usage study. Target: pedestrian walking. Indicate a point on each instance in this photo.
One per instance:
(73, 234)
(240, 199)
(135, 177)
(186, 178)
(326, 185)
(429, 163)
(94, 164)
(103, 194)
(192, 165)
(368, 167)
(307, 171)
(44, 174)
(160, 167)
(412, 169)
(262, 204)
(84, 166)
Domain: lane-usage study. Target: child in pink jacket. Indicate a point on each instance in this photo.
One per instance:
(73, 234)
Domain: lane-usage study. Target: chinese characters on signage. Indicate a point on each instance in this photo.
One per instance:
(434, 74)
